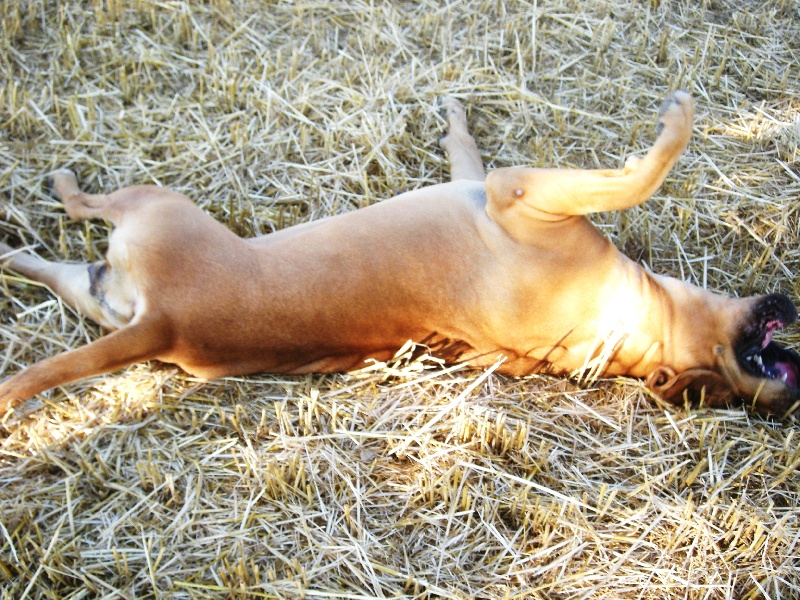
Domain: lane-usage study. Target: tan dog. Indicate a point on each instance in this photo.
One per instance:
(478, 269)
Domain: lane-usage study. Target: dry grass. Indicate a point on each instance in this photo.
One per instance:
(414, 481)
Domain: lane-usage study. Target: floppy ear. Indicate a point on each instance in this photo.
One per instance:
(693, 385)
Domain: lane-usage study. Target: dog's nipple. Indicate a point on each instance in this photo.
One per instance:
(518, 193)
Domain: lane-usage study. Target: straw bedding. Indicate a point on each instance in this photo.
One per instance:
(412, 479)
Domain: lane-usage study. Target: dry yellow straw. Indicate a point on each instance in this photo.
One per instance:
(413, 480)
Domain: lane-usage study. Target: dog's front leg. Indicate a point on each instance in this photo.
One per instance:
(140, 341)
(465, 159)
(554, 194)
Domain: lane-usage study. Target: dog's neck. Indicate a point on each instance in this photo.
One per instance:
(692, 321)
(657, 321)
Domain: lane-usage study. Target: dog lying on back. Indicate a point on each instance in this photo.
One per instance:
(503, 266)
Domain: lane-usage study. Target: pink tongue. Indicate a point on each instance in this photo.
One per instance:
(788, 369)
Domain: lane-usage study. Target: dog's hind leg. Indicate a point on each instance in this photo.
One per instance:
(78, 204)
(465, 159)
(82, 286)
(103, 294)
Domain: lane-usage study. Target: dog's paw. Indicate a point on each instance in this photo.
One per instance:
(59, 181)
(676, 111)
(456, 116)
(452, 109)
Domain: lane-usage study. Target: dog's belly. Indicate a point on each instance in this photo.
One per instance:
(329, 295)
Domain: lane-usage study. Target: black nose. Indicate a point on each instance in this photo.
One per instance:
(776, 307)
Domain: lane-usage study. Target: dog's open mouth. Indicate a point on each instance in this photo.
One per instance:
(758, 355)
(774, 362)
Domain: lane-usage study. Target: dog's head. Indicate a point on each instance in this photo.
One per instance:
(749, 367)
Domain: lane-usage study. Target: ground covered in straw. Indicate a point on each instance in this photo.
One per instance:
(410, 480)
